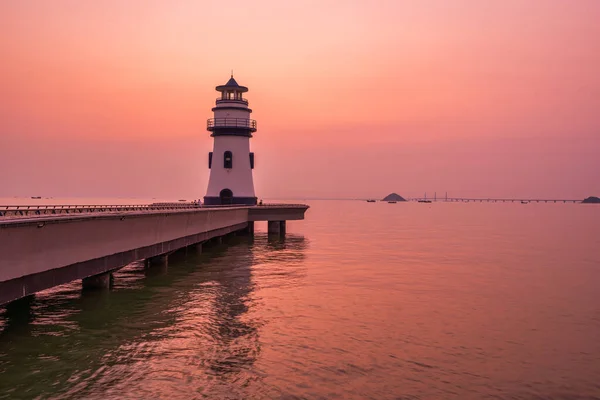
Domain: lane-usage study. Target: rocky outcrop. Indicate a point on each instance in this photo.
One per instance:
(393, 197)
(591, 200)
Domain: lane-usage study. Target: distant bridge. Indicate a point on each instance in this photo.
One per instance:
(491, 200)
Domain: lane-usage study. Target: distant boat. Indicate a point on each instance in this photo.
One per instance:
(424, 201)
(524, 202)
(36, 197)
(181, 200)
(371, 201)
(392, 202)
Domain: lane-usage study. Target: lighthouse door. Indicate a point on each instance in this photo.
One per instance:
(226, 196)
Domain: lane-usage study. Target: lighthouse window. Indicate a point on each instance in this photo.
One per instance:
(252, 160)
(210, 160)
(228, 160)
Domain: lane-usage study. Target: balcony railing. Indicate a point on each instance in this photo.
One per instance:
(213, 123)
(240, 100)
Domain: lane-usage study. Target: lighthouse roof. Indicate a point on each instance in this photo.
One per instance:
(231, 82)
(231, 85)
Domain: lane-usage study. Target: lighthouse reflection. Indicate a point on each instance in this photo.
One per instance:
(233, 336)
(235, 320)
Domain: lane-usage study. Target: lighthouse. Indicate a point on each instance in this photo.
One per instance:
(231, 162)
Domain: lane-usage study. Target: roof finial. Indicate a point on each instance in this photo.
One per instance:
(232, 73)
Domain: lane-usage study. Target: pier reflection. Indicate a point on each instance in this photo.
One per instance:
(192, 328)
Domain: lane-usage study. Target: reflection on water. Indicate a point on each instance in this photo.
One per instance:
(153, 335)
(360, 301)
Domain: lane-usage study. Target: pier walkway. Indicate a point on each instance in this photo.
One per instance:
(45, 246)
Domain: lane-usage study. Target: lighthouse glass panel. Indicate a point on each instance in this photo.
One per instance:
(228, 160)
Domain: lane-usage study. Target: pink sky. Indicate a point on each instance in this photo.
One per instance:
(352, 98)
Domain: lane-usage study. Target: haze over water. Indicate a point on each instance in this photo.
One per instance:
(361, 300)
(494, 98)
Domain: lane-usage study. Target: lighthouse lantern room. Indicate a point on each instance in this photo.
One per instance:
(231, 162)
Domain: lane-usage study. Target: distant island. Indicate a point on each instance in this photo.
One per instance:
(393, 197)
(592, 200)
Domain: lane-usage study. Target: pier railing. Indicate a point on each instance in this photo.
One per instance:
(33, 210)
(24, 210)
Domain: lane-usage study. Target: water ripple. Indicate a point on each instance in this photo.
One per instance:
(360, 301)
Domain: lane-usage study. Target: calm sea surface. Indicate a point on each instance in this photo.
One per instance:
(360, 301)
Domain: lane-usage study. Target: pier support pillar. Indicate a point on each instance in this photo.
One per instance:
(282, 228)
(20, 305)
(249, 229)
(18, 313)
(161, 260)
(197, 248)
(157, 265)
(100, 281)
(276, 228)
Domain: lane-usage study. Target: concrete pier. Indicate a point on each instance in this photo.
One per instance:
(40, 251)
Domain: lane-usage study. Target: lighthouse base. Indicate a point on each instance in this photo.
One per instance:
(216, 201)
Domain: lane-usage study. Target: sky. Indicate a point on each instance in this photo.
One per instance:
(354, 99)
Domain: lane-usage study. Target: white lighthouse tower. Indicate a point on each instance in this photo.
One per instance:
(231, 162)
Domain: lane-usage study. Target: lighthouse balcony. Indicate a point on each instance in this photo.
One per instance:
(213, 124)
(238, 100)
